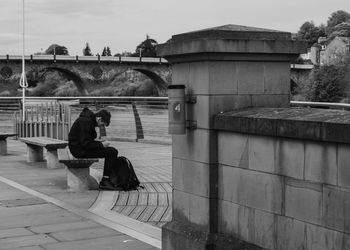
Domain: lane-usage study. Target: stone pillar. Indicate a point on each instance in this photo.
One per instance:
(226, 68)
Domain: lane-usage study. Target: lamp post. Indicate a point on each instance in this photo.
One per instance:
(140, 51)
(23, 80)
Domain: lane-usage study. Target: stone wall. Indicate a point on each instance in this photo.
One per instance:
(283, 190)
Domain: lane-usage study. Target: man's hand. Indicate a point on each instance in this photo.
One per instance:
(105, 143)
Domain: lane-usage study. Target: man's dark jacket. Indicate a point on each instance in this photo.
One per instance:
(82, 135)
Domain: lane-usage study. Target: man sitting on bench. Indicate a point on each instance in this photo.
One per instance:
(82, 142)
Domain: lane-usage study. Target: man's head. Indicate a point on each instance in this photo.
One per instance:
(103, 116)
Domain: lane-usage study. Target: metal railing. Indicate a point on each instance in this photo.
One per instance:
(327, 105)
(133, 118)
(50, 119)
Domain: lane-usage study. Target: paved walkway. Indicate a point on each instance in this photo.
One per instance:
(37, 211)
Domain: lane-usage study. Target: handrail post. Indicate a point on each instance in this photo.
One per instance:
(138, 123)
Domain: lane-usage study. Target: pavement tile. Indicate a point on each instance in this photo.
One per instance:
(6, 233)
(22, 241)
(120, 242)
(58, 227)
(27, 210)
(86, 233)
(38, 219)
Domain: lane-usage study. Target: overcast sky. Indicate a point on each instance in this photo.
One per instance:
(123, 24)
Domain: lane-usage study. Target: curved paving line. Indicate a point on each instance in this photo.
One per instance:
(123, 224)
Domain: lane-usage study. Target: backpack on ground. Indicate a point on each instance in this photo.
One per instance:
(124, 176)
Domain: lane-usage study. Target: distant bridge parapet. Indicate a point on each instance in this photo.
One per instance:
(87, 72)
(120, 59)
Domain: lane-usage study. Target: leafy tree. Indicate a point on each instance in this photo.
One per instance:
(341, 29)
(125, 53)
(327, 84)
(106, 51)
(336, 18)
(56, 49)
(147, 48)
(309, 32)
(87, 50)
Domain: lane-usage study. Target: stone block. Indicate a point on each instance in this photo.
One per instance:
(246, 227)
(265, 229)
(233, 149)
(228, 217)
(343, 165)
(321, 162)
(181, 74)
(78, 179)
(214, 104)
(200, 112)
(290, 158)
(250, 77)
(290, 234)
(199, 78)
(277, 78)
(336, 208)
(191, 177)
(262, 153)
(346, 242)
(177, 174)
(52, 161)
(199, 211)
(250, 188)
(35, 153)
(223, 77)
(319, 238)
(197, 145)
(181, 206)
(248, 224)
(267, 100)
(303, 201)
(188, 208)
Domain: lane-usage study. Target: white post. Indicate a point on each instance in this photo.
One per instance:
(23, 80)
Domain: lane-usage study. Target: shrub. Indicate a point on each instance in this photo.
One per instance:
(66, 89)
(326, 84)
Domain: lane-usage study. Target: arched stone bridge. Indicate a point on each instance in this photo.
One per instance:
(84, 71)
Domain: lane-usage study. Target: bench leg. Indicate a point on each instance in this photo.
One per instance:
(52, 159)
(3, 147)
(78, 179)
(35, 153)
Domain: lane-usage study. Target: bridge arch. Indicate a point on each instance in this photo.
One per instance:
(78, 81)
(160, 84)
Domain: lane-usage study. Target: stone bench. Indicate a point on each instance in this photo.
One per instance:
(78, 172)
(35, 147)
(3, 142)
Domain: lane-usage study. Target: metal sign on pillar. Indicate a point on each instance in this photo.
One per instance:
(177, 115)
